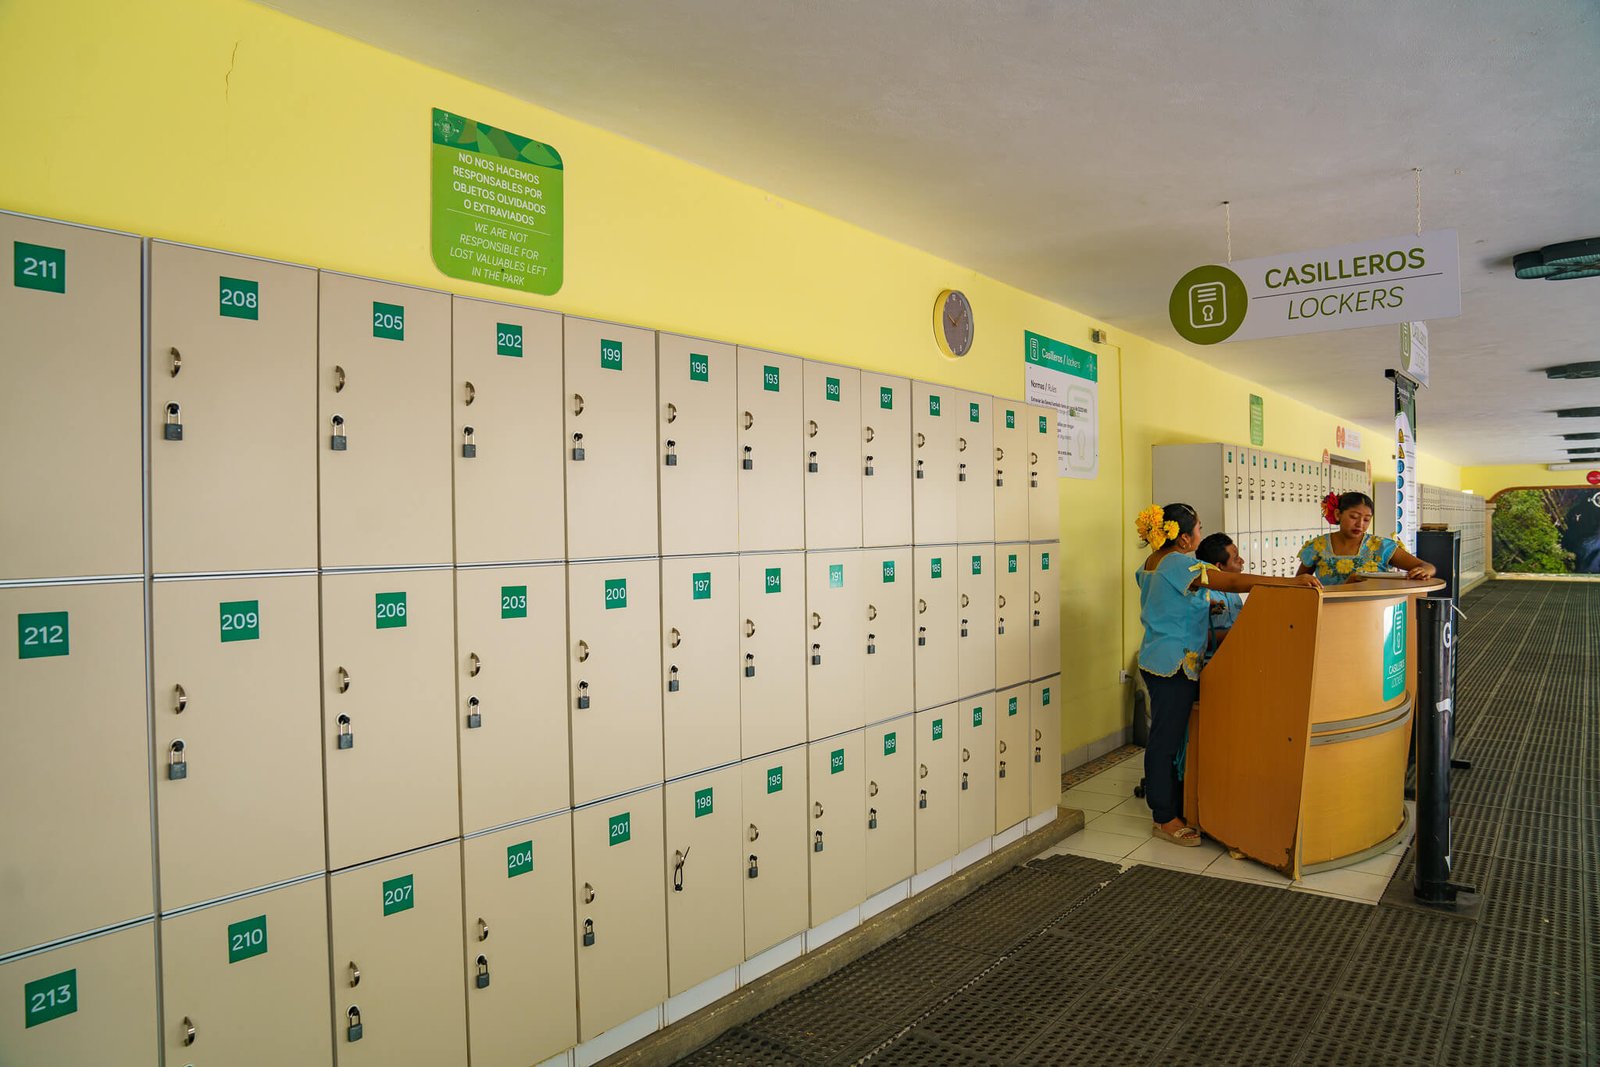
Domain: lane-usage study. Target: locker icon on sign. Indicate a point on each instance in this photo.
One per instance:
(1208, 305)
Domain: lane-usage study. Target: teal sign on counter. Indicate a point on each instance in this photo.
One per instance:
(1394, 652)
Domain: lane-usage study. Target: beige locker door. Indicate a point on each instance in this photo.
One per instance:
(383, 380)
(975, 469)
(975, 804)
(1046, 726)
(397, 995)
(1044, 487)
(885, 460)
(1237, 470)
(833, 448)
(69, 402)
(891, 819)
(836, 641)
(233, 343)
(975, 637)
(90, 1002)
(511, 693)
(776, 843)
(1010, 470)
(695, 422)
(1044, 606)
(770, 454)
(614, 672)
(699, 662)
(938, 752)
(522, 987)
(507, 401)
(838, 838)
(236, 700)
(621, 917)
(245, 983)
(890, 675)
(74, 768)
(935, 618)
(1013, 756)
(1013, 628)
(933, 462)
(386, 682)
(610, 424)
(772, 653)
(705, 875)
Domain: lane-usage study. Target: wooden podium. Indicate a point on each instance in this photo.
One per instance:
(1297, 757)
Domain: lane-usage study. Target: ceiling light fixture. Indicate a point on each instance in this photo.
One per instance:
(1572, 371)
(1560, 262)
(1578, 413)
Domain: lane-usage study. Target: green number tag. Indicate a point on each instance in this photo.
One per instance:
(238, 298)
(1011, 419)
(1394, 652)
(519, 858)
(702, 585)
(977, 716)
(1044, 561)
(775, 780)
(616, 593)
(938, 729)
(977, 564)
(247, 938)
(241, 620)
(936, 568)
(890, 743)
(398, 895)
(43, 268)
(699, 368)
(1047, 696)
(836, 761)
(391, 610)
(769, 379)
(1042, 424)
(888, 571)
(1011, 563)
(831, 389)
(513, 602)
(1011, 706)
(836, 576)
(620, 828)
(972, 413)
(774, 580)
(886, 398)
(389, 321)
(49, 998)
(41, 634)
(702, 802)
(933, 405)
(610, 355)
(508, 339)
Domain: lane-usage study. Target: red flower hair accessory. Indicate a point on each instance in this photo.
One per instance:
(1330, 509)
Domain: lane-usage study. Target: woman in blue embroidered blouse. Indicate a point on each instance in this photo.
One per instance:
(1350, 551)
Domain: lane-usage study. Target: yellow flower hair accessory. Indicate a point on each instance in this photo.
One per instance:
(1151, 529)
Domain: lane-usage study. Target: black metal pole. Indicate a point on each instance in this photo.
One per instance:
(1434, 718)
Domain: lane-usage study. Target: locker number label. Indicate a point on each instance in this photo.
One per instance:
(769, 379)
(699, 367)
(1044, 561)
(1011, 563)
(831, 389)
(513, 602)
(240, 620)
(977, 564)
(836, 576)
(1042, 424)
(933, 405)
(616, 593)
(891, 742)
(888, 571)
(389, 321)
(508, 339)
(886, 397)
(50, 998)
(836, 761)
(702, 802)
(972, 413)
(41, 634)
(398, 895)
(39, 267)
(702, 585)
(247, 938)
(977, 716)
(391, 610)
(620, 828)
(774, 583)
(610, 355)
(936, 568)
(519, 858)
(238, 298)
(1046, 700)
(938, 729)
(1011, 419)
(1011, 705)
(775, 780)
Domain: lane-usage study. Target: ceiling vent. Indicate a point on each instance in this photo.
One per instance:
(1570, 371)
(1579, 413)
(1562, 262)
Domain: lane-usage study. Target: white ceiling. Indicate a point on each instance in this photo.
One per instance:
(1081, 151)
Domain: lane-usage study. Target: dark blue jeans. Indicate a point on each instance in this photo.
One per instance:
(1170, 702)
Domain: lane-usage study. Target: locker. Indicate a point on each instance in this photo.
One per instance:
(614, 697)
(975, 627)
(383, 375)
(1013, 796)
(890, 674)
(235, 692)
(88, 1002)
(610, 445)
(891, 807)
(836, 641)
(699, 662)
(975, 470)
(975, 800)
(776, 883)
(509, 473)
(885, 460)
(70, 376)
(245, 982)
(1044, 503)
(1046, 727)
(938, 751)
(936, 624)
(771, 457)
(621, 915)
(397, 994)
(772, 660)
(520, 953)
(1010, 470)
(838, 838)
(511, 693)
(389, 748)
(233, 345)
(695, 424)
(74, 769)
(933, 464)
(1044, 603)
(705, 875)
(1013, 621)
(833, 463)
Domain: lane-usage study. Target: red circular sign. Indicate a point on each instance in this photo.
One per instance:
(1594, 477)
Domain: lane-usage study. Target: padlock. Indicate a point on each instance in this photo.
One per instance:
(1000, 626)
(672, 453)
(338, 442)
(749, 461)
(872, 818)
(1002, 768)
(588, 933)
(1036, 617)
(754, 870)
(964, 783)
(922, 798)
(919, 468)
(961, 472)
(483, 972)
(469, 449)
(999, 479)
(173, 430)
(816, 655)
(1033, 480)
(811, 463)
(749, 665)
(672, 682)
(346, 738)
(922, 635)
(583, 696)
(177, 763)
(869, 467)
(353, 1028)
(963, 627)
(577, 447)
(872, 644)
(816, 844)
(1038, 754)
(474, 714)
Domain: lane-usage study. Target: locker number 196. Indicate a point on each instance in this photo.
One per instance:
(699, 368)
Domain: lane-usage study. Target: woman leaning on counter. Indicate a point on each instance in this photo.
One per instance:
(1174, 609)
(1349, 551)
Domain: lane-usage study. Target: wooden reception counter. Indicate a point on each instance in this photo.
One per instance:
(1297, 757)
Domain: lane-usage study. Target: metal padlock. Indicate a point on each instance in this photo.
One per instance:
(1000, 626)
(1038, 754)
(749, 665)
(872, 818)
(869, 467)
(963, 627)
(919, 468)
(749, 461)
(1036, 617)
(483, 972)
(1002, 768)
(672, 453)
(177, 762)
(474, 714)
(872, 644)
(672, 682)
(811, 463)
(346, 738)
(922, 798)
(353, 1028)
(999, 479)
(1033, 480)
(816, 844)
(577, 447)
(338, 442)
(922, 635)
(173, 430)
(588, 933)
(964, 783)
(469, 449)
(816, 655)
(754, 870)
(583, 696)
(961, 472)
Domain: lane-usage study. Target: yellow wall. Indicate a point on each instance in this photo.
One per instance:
(1487, 481)
(226, 124)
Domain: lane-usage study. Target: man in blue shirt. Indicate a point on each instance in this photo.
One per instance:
(1219, 550)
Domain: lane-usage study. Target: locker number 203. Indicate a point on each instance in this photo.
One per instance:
(513, 602)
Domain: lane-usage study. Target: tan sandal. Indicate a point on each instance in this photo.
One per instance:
(1187, 836)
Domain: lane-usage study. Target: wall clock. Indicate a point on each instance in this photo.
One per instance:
(952, 323)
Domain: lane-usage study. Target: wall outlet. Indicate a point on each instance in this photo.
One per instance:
(1123, 677)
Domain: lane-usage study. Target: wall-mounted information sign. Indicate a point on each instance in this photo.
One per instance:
(1062, 376)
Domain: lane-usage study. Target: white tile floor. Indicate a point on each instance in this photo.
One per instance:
(1117, 828)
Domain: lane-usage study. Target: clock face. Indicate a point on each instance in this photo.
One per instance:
(954, 326)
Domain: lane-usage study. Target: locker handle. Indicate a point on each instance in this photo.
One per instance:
(471, 393)
(922, 770)
(867, 431)
(754, 833)
(588, 893)
(180, 700)
(749, 420)
(872, 789)
(355, 974)
(749, 628)
(816, 621)
(872, 612)
(338, 379)
(188, 1032)
(177, 361)
(672, 412)
(677, 638)
(1038, 735)
(921, 440)
(966, 755)
(577, 403)
(1002, 600)
(344, 680)
(483, 930)
(922, 606)
(965, 600)
(1002, 747)
(474, 664)
(817, 810)
(1036, 596)
(999, 454)
(811, 427)
(1033, 458)
(961, 444)
(583, 651)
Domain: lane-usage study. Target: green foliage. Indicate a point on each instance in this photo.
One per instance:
(1527, 539)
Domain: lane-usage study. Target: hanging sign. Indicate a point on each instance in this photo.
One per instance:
(1414, 351)
(1374, 283)
(1407, 492)
(1258, 421)
(1059, 376)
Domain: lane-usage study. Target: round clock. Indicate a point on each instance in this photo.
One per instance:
(952, 323)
